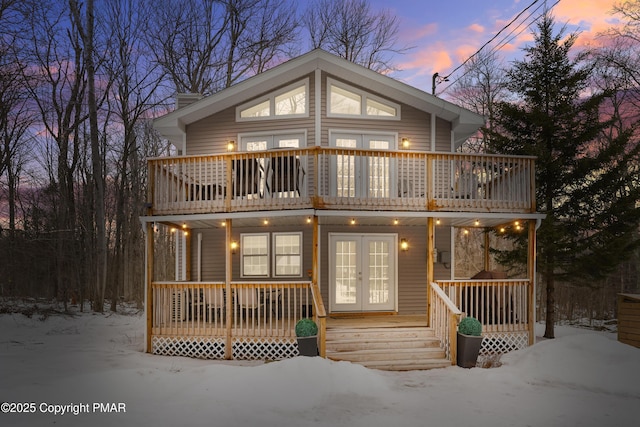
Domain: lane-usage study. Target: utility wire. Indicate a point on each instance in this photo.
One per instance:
(492, 38)
(522, 26)
(504, 41)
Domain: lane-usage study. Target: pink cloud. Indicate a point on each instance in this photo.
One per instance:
(476, 28)
(429, 60)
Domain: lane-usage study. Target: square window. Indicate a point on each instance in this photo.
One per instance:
(288, 254)
(255, 255)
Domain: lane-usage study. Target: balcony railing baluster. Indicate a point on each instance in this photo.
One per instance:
(341, 178)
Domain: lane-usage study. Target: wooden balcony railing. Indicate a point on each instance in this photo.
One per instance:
(341, 178)
(444, 320)
(256, 312)
(500, 305)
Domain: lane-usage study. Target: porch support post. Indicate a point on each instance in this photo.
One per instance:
(187, 254)
(487, 263)
(228, 348)
(531, 272)
(430, 247)
(322, 342)
(149, 241)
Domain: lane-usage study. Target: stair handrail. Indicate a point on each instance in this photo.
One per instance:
(321, 318)
(445, 316)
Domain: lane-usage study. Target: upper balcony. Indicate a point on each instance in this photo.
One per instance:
(341, 179)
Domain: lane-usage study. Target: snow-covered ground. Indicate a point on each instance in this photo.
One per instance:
(582, 378)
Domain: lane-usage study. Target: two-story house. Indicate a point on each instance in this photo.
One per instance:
(322, 189)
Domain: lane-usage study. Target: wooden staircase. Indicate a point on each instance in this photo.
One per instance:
(390, 346)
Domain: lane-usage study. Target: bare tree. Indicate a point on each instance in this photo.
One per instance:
(86, 29)
(133, 98)
(353, 31)
(207, 45)
(483, 83)
(56, 82)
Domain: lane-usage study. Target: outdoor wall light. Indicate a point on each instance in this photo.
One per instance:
(405, 143)
(234, 246)
(231, 145)
(353, 221)
(404, 245)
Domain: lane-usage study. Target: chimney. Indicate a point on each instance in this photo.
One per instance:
(184, 99)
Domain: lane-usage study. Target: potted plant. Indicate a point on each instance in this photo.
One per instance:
(307, 334)
(469, 342)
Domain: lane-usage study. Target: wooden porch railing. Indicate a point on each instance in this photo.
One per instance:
(500, 305)
(445, 317)
(261, 311)
(341, 178)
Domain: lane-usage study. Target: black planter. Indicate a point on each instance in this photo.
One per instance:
(468, 350)
(308, 346)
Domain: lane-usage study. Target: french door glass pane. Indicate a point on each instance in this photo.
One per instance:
(346, 272)
(378, 272)
(379, 171)
(346, 169)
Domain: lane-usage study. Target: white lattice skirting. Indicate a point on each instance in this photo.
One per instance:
(503, 342)
(200, 348)
(214, 348)
(256, 349)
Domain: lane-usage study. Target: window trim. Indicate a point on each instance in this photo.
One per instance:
(364, 96)
(268, 255)
(275, 254)
(270, 137)
(271, 97)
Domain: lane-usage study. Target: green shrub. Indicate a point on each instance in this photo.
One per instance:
(470, 326)
(306, 328)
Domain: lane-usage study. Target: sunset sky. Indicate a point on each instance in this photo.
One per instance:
(443, 33)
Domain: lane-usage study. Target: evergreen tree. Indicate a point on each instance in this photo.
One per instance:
(586, 169)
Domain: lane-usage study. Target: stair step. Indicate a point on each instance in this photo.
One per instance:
(343, 333)
(386, 355)
(408, 365)
(347, 344)
(392, 347)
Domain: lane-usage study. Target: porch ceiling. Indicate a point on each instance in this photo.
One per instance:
(328, 217)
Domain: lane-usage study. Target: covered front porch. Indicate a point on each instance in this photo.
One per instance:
(257, 322)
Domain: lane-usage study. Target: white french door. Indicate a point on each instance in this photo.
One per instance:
(363, 175)
(363, 272)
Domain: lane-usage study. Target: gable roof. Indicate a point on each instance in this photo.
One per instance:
(465, 122)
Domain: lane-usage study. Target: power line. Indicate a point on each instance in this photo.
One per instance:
(502, 42)
(522, 26)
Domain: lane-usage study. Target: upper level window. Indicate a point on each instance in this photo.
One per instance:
(290, 101)
(264, 141)
(345, 100)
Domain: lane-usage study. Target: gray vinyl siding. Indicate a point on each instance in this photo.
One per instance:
(211, 134)
(413, 124)
(412, 264)
(443, 135)
(213, 252)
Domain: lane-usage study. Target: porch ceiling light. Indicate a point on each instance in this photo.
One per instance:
(404, 245)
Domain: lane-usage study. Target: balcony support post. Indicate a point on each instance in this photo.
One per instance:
(228, 348)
